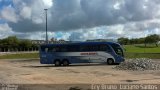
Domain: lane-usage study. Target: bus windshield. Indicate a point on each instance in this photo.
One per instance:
(118, 50)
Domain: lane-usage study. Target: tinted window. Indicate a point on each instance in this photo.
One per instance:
(94, 48)
(54, 49)
(73, 48)
(104, 48)
(44, 49)
(89, 48)
(76, 48)
(84, 48)
(58, 49)
(63, 48)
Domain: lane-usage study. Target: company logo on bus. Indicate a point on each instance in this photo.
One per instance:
(89, 53)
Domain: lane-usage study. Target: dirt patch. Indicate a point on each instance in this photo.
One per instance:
(32, 72)
(98, 73)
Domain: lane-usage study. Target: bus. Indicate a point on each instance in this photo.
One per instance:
(82, 52)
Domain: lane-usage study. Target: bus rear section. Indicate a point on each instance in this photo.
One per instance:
(65, 54)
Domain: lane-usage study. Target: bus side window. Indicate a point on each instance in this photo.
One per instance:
(93, 48)
(102, 48)
(50, 49)
(43, 49)
(54, 49)
(82, 48)
(57, 49)
(46, 49)
(64, 49)
(89, 48)
(73, 48)
(105, 48)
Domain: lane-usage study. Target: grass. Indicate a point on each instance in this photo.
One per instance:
(141, 49)
(20, 56)
(143, 55)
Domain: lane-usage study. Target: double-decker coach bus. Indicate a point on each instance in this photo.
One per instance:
(82, 52)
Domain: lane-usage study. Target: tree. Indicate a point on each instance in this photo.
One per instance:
(10, 43)
(152, 39)
(123, 41)
(13, 41)
(25, 44)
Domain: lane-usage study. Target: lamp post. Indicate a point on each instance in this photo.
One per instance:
(46, 27)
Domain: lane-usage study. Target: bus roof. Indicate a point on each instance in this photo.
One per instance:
(82, 43)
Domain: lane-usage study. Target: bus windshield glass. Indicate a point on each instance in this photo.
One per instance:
(118, 50)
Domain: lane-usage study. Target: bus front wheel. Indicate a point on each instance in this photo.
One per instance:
(57, 63)
(110, 61)
(65, 62)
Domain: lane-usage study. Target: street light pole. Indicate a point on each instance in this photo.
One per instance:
(46, 27)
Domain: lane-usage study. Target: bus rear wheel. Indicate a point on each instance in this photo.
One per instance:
(57, 63)
(110, 61)
(65, 62)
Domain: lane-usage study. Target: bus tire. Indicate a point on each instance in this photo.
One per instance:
(57, 63)
(110, 61)
(65, 62)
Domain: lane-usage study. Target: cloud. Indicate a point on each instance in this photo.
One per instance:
(5, 30)
(9, 14)
(30, 15)
(84, 19)
(26, 26)
(130, 30)
(26, 12)
(34, 35)
(76, 14)
(103, 32)
(48, 3)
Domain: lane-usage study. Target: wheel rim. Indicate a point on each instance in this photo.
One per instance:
(65, 63)
(110, 61)
(57, 63)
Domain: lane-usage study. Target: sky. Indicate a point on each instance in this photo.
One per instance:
(79, 20)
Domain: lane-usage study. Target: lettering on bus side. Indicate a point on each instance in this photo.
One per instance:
(89, 53)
